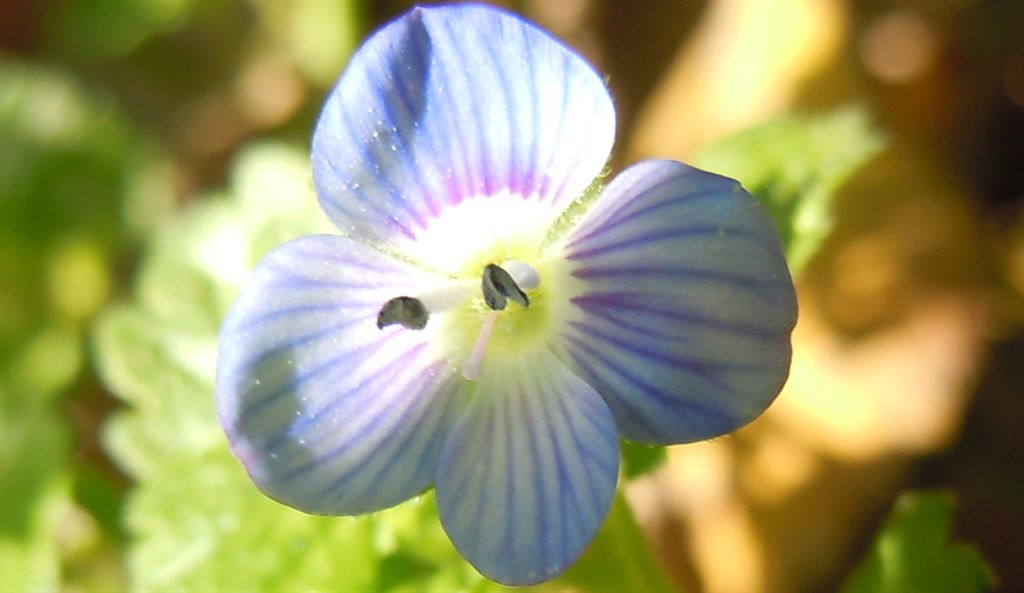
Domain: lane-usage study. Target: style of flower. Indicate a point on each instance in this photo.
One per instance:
(477, 330)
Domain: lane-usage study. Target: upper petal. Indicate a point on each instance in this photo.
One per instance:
(684, 304)
(455, 103)
(329, 414)
(528, 474)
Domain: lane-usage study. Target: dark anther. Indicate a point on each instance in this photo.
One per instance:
(498, 287)
(405, 311)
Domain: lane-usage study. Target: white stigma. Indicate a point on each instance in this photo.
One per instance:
(525, 277)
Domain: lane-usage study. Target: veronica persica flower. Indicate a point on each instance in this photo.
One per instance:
(464, 332)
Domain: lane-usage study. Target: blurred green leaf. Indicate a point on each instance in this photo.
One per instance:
(196, 521)
(794, 165)
(619, 558)
(318, 36)
(66, 156)
(111, 28)
(914, 554)
(31, 557)
(638, 458)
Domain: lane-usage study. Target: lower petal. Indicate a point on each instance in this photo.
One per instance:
(683, 304)
(528, 474)
(328, 413)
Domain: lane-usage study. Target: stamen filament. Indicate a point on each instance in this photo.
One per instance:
(447, 297)
(473, 368)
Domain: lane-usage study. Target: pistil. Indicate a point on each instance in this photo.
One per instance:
(473, 368)
(498, 286)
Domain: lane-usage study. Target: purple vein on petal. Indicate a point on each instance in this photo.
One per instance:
(599, 224)
(608, 306)
(640, 272)
(699, 366)
(375, 152)
(357, 393)
(403, 419)
(677, 406)
(686, 233)
(307, 375)
(401, 109)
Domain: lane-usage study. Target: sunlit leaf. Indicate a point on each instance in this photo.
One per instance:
(794, 165)
(914, 553)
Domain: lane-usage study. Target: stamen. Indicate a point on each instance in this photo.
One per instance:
(413, 313)
(474, 365)
(406, 311)
(498, 287)
(525, 275)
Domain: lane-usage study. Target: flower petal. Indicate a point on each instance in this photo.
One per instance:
(528, 474)
(453, 103)
(685, 305)
(329, 414)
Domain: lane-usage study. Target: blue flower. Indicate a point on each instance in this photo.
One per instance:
(469, 330)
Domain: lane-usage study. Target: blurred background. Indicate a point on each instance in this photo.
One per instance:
(152, 150)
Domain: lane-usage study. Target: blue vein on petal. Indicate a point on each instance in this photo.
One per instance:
(541, 495)
(466, 181)
(407, 122)
(664, 202)
(563, 415)
(757, 284)
(396, 454)
(307, 375)
(478, 124)
(511, 176)
(321, 255)
(480, 506)
(371, 152)
(579, 154)
(279, 314)
(492, 462)
(416, 33)
(533, 151)
(411, 403)
(262, 355)
(510, 485)
(572, 492)
(339, 399)
(693, 364)
(665, 400)
(604, 304)
(454, 129)
(383, 466)
(678, 234)
(560, 135)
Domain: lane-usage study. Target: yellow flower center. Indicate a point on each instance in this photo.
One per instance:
(507, 231)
